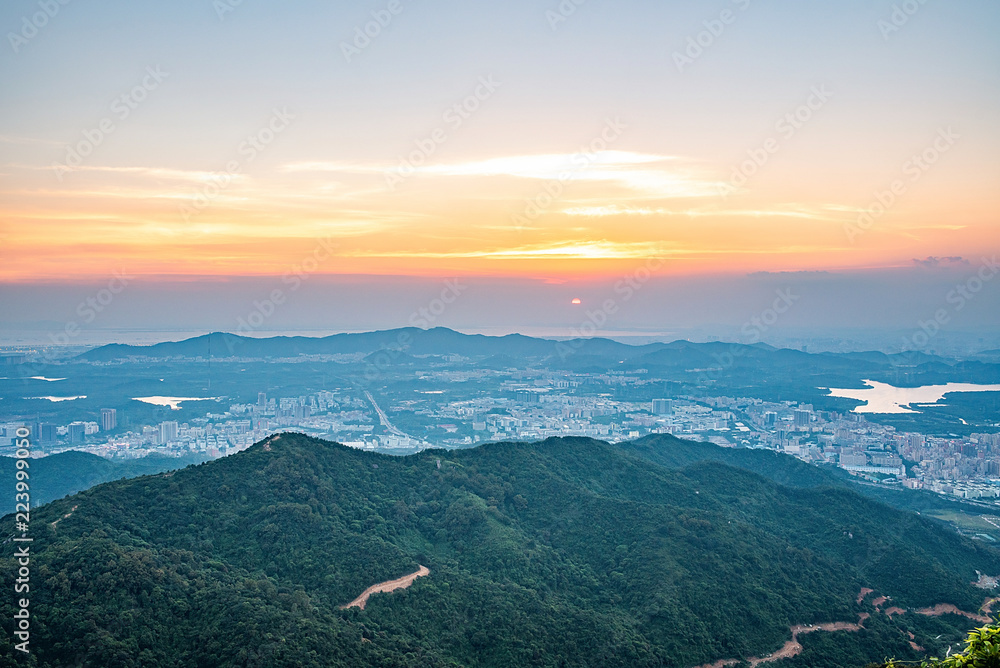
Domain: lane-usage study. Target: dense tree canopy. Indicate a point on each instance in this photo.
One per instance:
(558, 553)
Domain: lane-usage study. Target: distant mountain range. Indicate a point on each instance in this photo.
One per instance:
(412, 340)
(735, 366)
(514, 347)
(566, 552)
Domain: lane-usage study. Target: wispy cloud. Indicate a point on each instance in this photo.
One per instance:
(30, 141)
(940, 261)
(601, 249)
(159, 173)
(650, 175)
(604, 210)
(334, 166)
(195, 176)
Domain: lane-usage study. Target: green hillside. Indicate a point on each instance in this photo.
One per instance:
(567, 552)
(66, 473)
(787, 470)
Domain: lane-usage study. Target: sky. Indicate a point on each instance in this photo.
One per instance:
(519, 145)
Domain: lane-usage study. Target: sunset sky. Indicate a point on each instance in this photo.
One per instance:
(207, 141)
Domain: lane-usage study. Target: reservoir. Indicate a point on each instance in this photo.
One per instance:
(884, 398)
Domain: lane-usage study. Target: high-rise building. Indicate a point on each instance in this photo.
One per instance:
(47, 432)
(662, 407)
(802, 419)
(168, 432)
(262, 400)
(109, 419)
(77, 431)
(527, 397)
(770, 419)
(853, 459)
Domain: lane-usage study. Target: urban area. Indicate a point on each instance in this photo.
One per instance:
(530, 406)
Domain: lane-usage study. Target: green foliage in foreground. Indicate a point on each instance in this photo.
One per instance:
(567, 552)
(982, 650)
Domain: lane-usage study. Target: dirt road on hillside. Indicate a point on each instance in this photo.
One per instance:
(386, 587)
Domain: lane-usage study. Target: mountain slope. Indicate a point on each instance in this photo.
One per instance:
(671, 452)
(65, 473)
(563, 552)
(679, 355)
(415, 341)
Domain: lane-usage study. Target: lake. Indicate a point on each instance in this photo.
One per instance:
(173, 402)
(884, 398)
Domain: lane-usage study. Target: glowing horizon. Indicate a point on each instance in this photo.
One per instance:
(490, 167)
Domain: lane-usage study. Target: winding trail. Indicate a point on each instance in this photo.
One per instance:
(386, 587)
(71, 511)
(944, 608)
(793, 647)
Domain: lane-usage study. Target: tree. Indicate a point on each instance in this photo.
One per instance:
(982, 650)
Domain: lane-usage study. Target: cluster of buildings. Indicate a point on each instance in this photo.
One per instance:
(214, 434)
(964, 466)
(48, 434)
(459, 408)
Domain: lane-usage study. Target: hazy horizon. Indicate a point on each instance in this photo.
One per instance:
(857, 311)
(563, 145)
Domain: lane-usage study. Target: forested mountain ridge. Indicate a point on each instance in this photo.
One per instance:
(64, 473)
(680, 354)
(562, 552)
